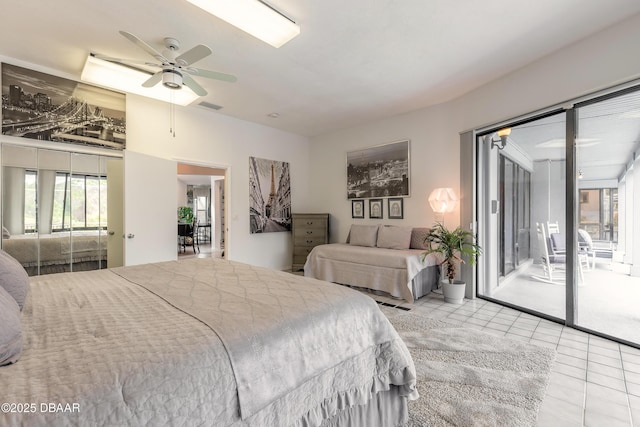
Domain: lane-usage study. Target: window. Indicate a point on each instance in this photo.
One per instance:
(80, 202)
(599, 213)
(30, 201)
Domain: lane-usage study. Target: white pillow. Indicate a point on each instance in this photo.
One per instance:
(13, 278)
(363, 235)
(418, 235)
(394, 237)
(10, 329)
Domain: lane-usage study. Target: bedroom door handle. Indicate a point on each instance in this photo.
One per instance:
(111, 233)
(130, 236)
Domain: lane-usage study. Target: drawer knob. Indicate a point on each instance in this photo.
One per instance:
(309, 241)
(309, 222)
(309, 232)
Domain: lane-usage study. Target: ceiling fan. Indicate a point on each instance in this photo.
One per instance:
(175, 70)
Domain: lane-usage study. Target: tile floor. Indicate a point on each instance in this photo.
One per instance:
(594, 382)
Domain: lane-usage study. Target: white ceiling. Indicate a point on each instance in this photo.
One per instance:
(353, 62)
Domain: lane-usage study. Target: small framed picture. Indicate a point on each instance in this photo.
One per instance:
(357, 209)
(375, 208)
(396, 208)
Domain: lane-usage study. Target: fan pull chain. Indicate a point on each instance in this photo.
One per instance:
(172, 114)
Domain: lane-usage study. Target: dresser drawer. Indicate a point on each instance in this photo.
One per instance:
(301, 233)
(299, 259)
(309, 240)
(310, 224)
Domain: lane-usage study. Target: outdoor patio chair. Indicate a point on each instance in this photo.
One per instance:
(594, 249)
(548, 258)
(552, 227)
(553, 254)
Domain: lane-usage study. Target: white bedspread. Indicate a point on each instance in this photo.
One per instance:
(389, 270)
(128, 357)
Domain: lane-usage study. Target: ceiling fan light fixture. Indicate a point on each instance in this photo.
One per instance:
(127, 79)
(171, 79)
(254, 17)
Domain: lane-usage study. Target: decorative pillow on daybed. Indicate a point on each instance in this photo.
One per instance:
(13, 278)
(363, 235)
(417, 238)
(394, 237)
(10, 329)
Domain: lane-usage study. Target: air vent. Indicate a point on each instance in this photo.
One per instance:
(210, 105)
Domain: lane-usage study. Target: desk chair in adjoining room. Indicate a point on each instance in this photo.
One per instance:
(187, 236)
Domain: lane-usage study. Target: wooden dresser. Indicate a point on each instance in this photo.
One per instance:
(308, 231)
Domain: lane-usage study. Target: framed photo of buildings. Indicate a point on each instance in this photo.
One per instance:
(269, 196)
(380, 171)
(49, 108)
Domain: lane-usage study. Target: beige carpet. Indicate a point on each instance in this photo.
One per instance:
(471, 378)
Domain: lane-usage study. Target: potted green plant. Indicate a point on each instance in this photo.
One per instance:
(185, 214)
(452, 246)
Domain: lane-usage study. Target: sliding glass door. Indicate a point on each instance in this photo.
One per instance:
(523, 176)
(558, 215)
(609, 197)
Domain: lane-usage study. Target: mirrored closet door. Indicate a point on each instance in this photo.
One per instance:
(55, 211)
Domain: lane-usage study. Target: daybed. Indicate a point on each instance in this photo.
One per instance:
(53, 252)
(383, 258)
(204, 342)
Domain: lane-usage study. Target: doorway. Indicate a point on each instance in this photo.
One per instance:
(201, 189)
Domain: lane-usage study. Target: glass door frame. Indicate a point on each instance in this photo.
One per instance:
(482, 218)
(485, 272)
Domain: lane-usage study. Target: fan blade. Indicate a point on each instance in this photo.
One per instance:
(191, 84)
(124, 61)
(193, 55)
(212, 74)
(153, 80)
(141, 44)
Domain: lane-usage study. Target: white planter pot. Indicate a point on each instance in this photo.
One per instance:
(453, 292)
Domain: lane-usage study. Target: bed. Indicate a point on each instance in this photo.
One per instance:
(204, 342)
(378, 257)
(399, 273)
(53, 252)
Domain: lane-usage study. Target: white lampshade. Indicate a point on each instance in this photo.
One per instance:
(443, 200)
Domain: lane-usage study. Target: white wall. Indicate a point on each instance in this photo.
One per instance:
(433, 154)
(182, 194)
(605, 59)
(207, 138)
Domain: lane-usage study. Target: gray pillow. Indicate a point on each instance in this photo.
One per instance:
(10, 329)
(393, 237)
(363, 235)
(417, 238)
(13, 278)
(5, 233)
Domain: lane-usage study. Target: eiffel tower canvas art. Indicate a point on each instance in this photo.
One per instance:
(269, 196)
